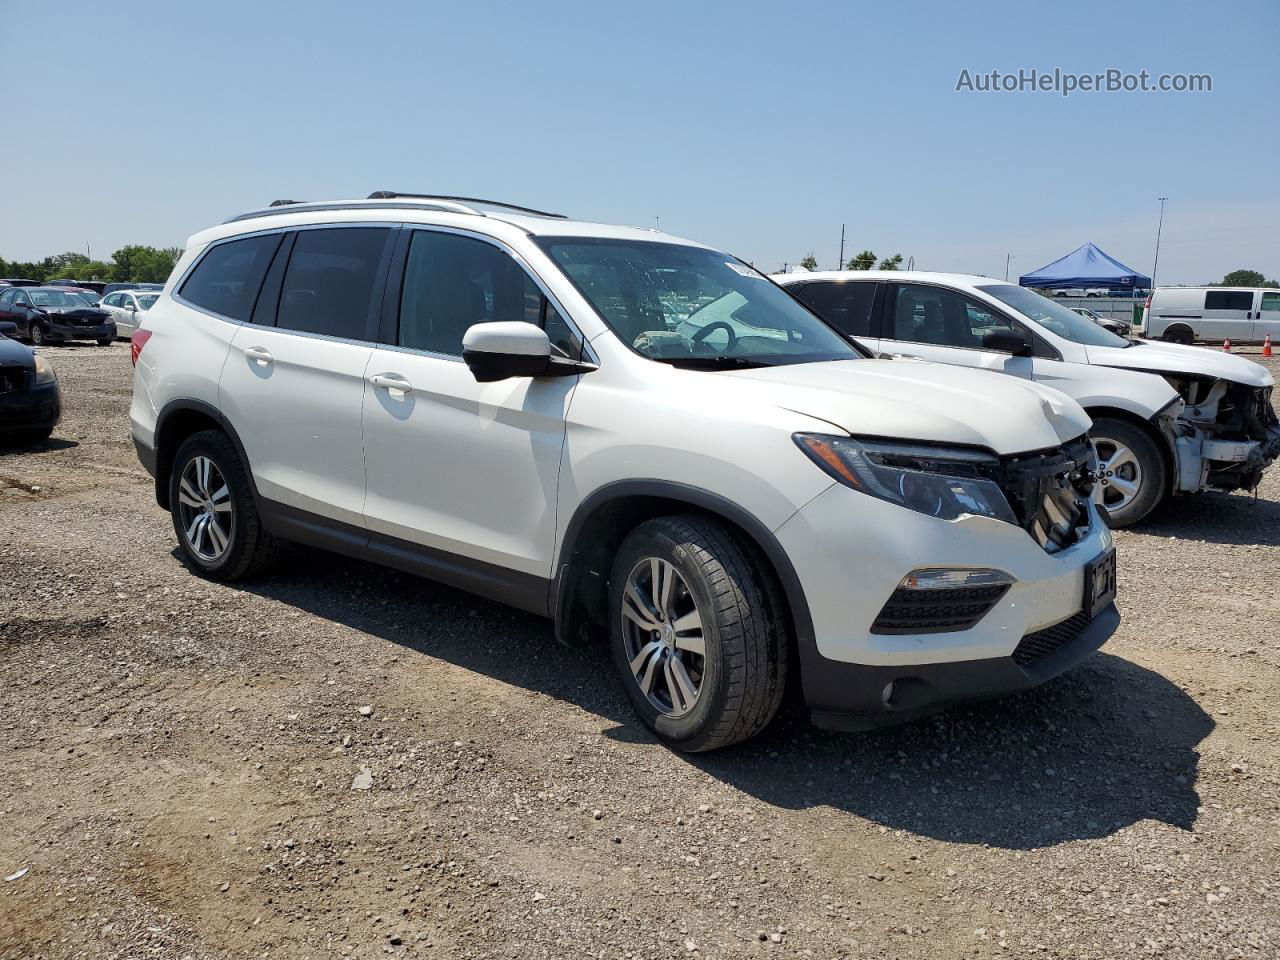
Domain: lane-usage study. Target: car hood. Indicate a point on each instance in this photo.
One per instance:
(1148, 355)
(14, 354)
(914, 400)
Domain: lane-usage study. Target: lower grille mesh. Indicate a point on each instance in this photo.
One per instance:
(1038, 645)
(936, 611)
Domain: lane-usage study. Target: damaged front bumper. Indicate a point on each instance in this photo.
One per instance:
(1224, 436)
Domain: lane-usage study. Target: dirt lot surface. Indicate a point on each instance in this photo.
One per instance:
(194, 770)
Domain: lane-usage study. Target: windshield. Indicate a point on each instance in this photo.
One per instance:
(692, 306)
(146, 300)
(58, 299)
(1054, 317)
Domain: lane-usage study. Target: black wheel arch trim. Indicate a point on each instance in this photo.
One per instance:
(162, 460)
(696, 498)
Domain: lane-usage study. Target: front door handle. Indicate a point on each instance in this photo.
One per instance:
(259, 355)
(391, 381)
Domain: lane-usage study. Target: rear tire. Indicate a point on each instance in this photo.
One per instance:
(731, 689)
(105, 343)
(1179, 335)
(214, 514)
(1132, 474)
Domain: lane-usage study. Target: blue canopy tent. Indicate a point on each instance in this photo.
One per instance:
(1086, 266)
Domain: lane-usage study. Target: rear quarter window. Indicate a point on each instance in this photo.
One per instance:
(228, 276)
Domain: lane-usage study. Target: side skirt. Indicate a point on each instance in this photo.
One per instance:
(522, 590)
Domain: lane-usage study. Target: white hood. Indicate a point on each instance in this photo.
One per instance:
(923, 401)
(1176, 358)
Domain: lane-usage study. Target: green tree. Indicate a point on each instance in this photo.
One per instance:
(863, 261)
(141, 264)
(891, 263)
(810, 262)
(1246, 278)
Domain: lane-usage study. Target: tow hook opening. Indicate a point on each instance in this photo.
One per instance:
(906, 693)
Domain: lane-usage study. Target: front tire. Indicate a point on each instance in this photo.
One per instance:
(105, 343)
(214, 514)
(38, 339)
(1132, 473)
(698, 633)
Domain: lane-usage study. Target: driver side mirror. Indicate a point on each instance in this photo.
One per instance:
(506, 349)
(1013, 342)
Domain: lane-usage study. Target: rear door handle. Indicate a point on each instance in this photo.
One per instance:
(393, 382)
(259, 355)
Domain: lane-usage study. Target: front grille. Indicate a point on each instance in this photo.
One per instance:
(1036, 646)
(12, 379)
(936, 611)
(1049, 492)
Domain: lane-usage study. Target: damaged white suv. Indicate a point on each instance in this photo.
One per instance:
(637, 436)
(1167, 419)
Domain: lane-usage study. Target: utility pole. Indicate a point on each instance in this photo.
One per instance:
(1159, 227)
(1007, 258)
(657, 223)
(840, 263)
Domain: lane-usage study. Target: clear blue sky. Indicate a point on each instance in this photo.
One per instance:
(740, 124)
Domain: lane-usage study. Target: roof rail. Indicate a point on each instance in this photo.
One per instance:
(309, 206)
(396, 195)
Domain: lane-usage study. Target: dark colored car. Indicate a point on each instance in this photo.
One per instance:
(95, 285)
(113, 287)
(19, 282)
(55, 315)
(29, 403)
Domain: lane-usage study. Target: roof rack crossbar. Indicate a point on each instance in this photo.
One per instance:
(396, 195)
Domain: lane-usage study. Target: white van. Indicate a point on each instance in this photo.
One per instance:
(1212, 314)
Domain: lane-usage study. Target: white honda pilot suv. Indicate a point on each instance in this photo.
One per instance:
(638, 436)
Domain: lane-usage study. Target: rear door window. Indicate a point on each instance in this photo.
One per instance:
(846, 305)
(1228, 300)
(227, 278)
(331, 279)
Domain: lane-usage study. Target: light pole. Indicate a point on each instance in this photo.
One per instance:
(1007, 258)
(1159, 227)
(657, 223)
(840, 262)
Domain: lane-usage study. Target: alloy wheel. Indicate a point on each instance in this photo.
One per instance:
(1119, 474)
(205, 508)
(37, 335)
(663, 636)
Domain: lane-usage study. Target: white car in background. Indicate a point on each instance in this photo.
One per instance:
(1167, 419)
(1081, 292)
(127, 308)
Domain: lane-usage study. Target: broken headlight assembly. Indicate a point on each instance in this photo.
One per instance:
(942, 482)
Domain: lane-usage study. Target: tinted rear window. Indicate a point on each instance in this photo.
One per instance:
(329, 285)
(227, 278)
(846, 305)
(1228, 300)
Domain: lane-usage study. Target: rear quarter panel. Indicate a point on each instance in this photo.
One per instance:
(183, 358)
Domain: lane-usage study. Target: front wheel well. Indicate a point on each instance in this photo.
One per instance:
(582, 583)
(1162, 442)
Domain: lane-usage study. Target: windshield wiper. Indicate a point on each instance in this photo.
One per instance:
(713, 363)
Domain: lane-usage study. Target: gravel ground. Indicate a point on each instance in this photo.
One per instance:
(340, 760)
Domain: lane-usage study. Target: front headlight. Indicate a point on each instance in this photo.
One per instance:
(946, 483)
(44, 371)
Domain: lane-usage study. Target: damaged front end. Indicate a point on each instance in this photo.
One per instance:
(1224, 436)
